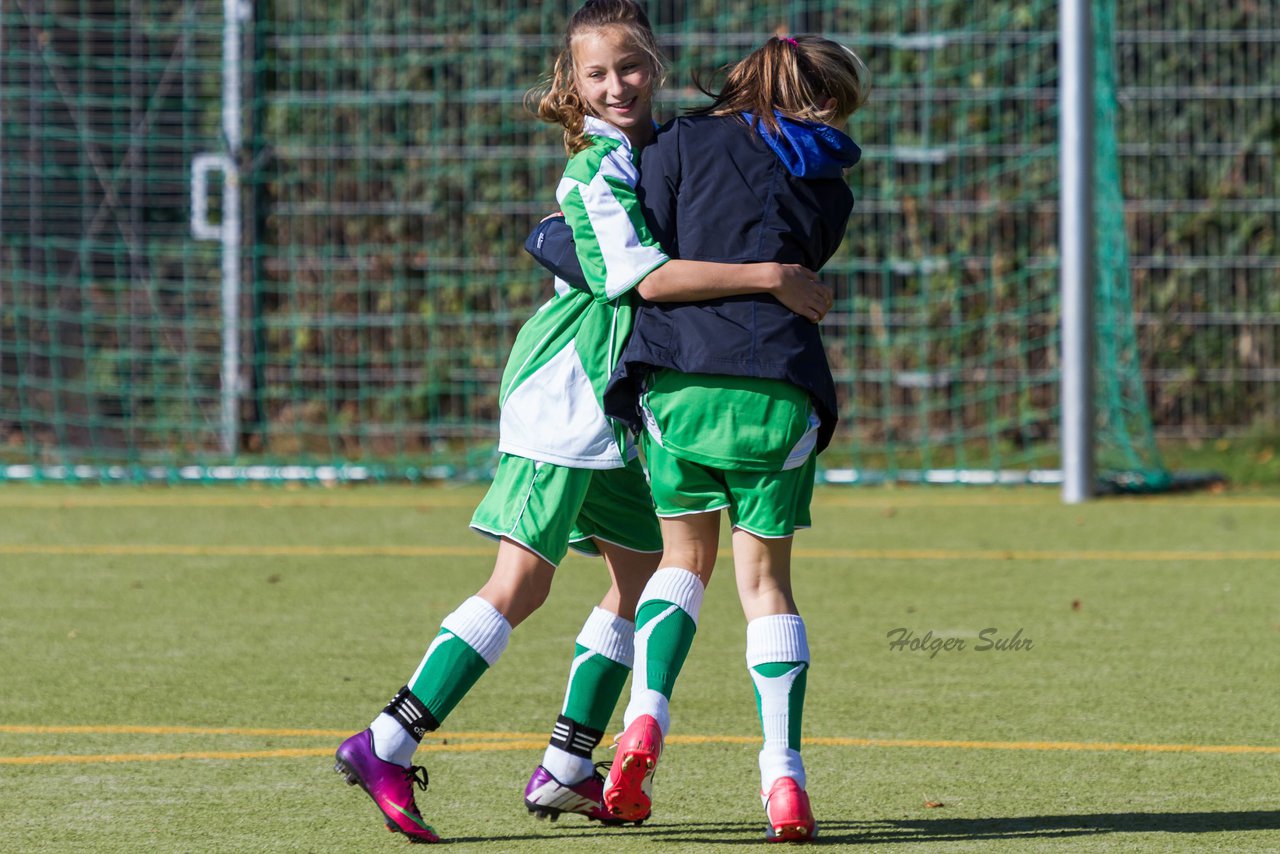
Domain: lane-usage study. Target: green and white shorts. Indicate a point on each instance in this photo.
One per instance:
(769, 504)
(549, 509)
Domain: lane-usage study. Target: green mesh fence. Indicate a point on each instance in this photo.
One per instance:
(949, 343)
(107, 306)
(1198, 136)
(1127, 452)
(386, 179)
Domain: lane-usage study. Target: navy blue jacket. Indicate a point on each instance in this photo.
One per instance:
(551, 244)
(716, 189)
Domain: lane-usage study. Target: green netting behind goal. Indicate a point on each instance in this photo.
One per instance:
(386, 178)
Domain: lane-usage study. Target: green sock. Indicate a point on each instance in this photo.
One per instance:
(595, 684)
(666, 621)
(666, 632)
(601, 661)
(470, 641)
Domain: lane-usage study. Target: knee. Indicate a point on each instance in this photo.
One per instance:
(536, 592)
(762, 595)
(517, 594)
(527, 597)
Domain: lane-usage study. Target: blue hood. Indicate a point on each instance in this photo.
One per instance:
(809, 149)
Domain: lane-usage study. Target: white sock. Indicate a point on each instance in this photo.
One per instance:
(392, 742)
(778, 639)
(566, 767)
(608, 635)
(652, 703)
(481, 626)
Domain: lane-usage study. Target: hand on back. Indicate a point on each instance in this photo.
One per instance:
(800, 290)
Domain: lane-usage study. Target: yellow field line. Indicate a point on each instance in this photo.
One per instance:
(282, 753)
(137, 729)
(472, 742)
(1044, 554)
(157, 550)
(70, 759)
(145, 549)
(1082, 746)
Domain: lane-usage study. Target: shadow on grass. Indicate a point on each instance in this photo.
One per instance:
(936, 829)
(1043, 826)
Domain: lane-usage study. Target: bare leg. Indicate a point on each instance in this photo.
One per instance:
(519, 583)
(629, 571)
(762, 567)
(691, 542)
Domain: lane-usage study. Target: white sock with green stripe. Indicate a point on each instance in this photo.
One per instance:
(602, 660)
(778, 660)
(469, 642)
(666, 621)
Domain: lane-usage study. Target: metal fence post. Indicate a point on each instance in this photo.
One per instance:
(1075, 134)
(228, 231)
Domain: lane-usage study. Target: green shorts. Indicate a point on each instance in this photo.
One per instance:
(768, 504)
(549, 509)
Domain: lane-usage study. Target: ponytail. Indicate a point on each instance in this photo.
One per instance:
(795, 76)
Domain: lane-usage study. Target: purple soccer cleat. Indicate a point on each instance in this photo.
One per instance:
(390, 786)
(547, 797)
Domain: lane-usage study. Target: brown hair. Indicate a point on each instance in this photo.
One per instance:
(794, 76)
(556, 99)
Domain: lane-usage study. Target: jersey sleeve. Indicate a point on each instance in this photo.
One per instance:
(614, 244)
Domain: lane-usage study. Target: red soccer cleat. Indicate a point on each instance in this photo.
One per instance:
(628, 793)
(790, 818)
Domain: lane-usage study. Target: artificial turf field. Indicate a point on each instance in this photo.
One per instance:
(179, 664)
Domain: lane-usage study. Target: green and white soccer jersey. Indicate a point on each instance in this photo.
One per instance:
(563, 356)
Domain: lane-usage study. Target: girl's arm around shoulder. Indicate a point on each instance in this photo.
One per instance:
(551, 244)
(796, 287)
(659, 188)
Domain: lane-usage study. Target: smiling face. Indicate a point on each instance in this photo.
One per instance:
(614, 76)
